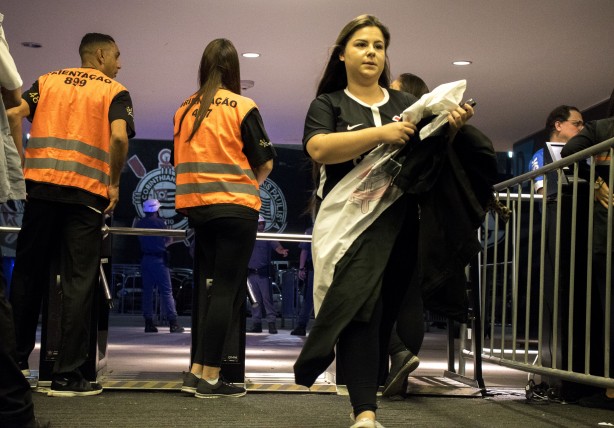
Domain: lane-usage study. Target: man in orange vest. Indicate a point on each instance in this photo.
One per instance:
(81, 121)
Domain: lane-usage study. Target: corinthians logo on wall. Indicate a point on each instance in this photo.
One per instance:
(274, 207)
(157, 184)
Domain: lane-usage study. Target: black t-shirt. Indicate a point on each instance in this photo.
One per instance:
(340, 111)
(594, 132)
(256, 144)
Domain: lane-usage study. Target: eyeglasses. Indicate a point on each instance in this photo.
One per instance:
(576, 123)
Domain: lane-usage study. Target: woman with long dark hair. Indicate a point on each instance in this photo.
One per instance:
(222, 155)
(354, 113)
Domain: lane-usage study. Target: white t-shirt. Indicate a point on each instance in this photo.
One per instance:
(9, 76)
(12, 184)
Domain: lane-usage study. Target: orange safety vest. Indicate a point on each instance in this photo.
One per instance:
(603, 158)
(70, 135)
(212, 168)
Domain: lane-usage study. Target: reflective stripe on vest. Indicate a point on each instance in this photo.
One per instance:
(603, 158)
(216, 186)
(58, 155)
(68, 166)
(213, 168)
(85, 149)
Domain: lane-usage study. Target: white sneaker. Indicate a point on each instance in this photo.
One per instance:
(364, 423)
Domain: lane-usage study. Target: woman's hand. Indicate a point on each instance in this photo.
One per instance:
(338, 147)
(458, 117)
(397, 133)
(602, 194)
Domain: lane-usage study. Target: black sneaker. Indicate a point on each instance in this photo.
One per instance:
(299, 331)
(395, 383)
(150, 327)
(176, 328)
(272, 328)
(597, 401)
(257, 328)
(190, 383)
(220, 389)
(73, 385)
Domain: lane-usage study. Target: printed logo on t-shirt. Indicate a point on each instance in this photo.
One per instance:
(350, 127)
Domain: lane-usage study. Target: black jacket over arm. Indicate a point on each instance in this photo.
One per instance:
(453, 182)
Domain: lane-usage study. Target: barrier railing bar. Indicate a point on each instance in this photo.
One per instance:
(597, 148)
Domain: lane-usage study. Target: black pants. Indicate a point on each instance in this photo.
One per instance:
(409, 328)
(74, 230)
(16, 409)
(362, 349)
(223, 249)
(600, 259)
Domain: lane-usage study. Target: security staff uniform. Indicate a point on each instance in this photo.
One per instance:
(218, 191)
(67, 173)
(155, 271)
(259, 277)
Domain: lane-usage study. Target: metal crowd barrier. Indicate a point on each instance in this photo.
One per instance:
(134, 231)
(539, 309)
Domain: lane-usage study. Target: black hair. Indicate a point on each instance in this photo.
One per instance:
(334, 77)
(412, 84)
(219, 68)
(559, 114)
(91, 41)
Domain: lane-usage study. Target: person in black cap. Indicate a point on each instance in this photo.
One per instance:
(154, 269)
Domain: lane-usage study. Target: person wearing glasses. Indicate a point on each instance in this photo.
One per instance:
(563, 123)
(595, 132)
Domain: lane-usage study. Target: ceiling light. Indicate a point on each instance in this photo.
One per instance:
(462, 62)
(32, 44)
(246, 84)
(251, 55)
